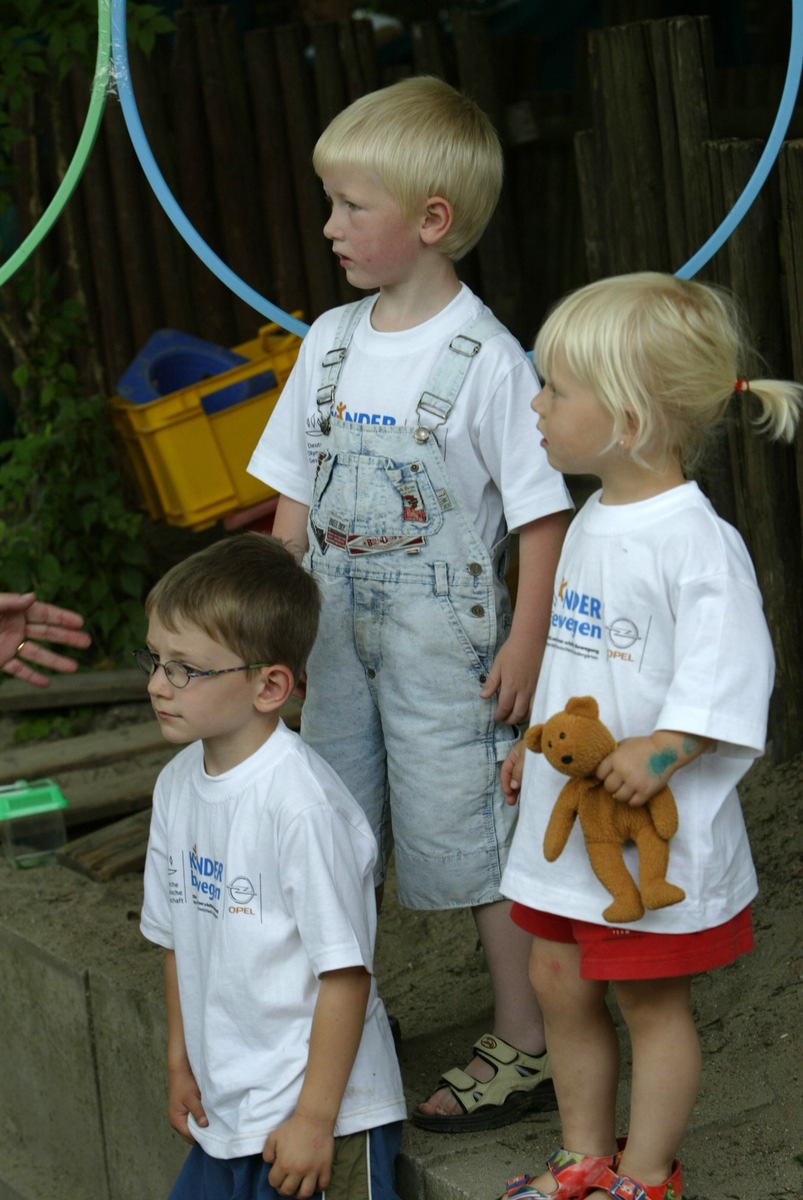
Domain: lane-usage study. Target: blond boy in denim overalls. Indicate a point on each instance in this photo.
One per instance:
(404, 451)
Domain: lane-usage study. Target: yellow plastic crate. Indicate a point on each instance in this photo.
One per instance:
(190, 466)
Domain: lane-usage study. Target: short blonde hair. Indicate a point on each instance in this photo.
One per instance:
(665, 352)
(249, 593)
(422, 138)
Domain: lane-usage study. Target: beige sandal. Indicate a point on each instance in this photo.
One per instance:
(521, 1083)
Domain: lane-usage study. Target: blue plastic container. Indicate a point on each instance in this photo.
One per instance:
(170, 361)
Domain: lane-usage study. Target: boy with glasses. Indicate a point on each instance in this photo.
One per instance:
(258, 884)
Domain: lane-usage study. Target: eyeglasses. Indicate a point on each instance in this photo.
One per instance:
(177, 673)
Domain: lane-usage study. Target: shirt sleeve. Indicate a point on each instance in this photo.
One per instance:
(280, 457)
(155, 923)
(724, 665)
(326, 879)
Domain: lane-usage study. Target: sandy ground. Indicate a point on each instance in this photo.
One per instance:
(746, 1135)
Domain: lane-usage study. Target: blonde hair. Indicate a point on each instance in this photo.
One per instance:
(666, 353)
(422, 138)
(247, 592)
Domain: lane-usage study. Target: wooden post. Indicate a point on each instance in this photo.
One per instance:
(302, 133)
(764, 472)
(791, 169)
(214, 304)
(273, 154)
(234, 176)
(501, 285)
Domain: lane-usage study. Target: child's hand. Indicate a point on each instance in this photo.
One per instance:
(512, 677)
(301, 1151)
(512, 769)
(639, 767)
(183, 1098)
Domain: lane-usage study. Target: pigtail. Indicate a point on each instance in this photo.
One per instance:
(780, 402)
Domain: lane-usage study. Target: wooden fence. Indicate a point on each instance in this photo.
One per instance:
(633, 168)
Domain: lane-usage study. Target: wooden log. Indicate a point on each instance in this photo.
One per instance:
(302, 133)
(335, 82)
(168, 253)
(130, 216)
(103, 793)
(629, 127)
(767, 499)
(366, 58)
(71, 691)
(117, 345)
(114, 850)
(791, 173)
(497, 252)
(213, 302)
(289, 288)
(234, 180)
(37, 760)
(690, 45)
(429, 52)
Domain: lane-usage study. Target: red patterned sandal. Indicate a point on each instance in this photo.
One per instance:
(577, 1175)
(622, 1187)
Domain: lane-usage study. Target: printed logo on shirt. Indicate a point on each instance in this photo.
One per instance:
(579, 626)
(245, 899)
(206, 878)
(363, 418)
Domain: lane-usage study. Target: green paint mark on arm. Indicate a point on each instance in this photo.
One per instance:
(660, 763)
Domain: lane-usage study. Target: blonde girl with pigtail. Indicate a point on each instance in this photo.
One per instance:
(656, 614)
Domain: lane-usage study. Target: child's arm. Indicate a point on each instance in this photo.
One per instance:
(514, 673)
(639, 767)
(290, 525)
(301, 1148)
(183, 1095)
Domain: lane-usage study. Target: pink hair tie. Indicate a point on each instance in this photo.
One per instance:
(742, 385)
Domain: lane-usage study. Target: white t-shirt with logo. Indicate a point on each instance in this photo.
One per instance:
(260, 879)
(490, 441)
(658, 616)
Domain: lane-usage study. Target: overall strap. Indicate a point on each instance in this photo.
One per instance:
(333, 359)
(443, 385)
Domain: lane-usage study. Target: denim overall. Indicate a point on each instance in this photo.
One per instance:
(414, 610)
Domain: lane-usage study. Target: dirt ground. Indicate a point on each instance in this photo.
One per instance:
(746, 1136)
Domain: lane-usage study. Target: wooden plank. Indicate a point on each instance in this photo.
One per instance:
(114, 850)
(38, 759)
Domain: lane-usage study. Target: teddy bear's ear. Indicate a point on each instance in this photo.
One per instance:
(532, 738)
(583, 706)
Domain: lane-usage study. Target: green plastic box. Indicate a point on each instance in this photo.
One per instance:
(32, 817)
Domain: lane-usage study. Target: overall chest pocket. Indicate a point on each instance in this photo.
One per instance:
(368, 496)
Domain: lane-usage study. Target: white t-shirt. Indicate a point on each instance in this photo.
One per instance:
(260, 879)
(490, 441)
(656, 614)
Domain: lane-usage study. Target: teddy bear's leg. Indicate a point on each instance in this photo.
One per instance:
(609, 867)
(653, 853)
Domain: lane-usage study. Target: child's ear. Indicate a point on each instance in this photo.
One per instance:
(276, 684)
(437, 220)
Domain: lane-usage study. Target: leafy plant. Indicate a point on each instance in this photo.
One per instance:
(67, 529)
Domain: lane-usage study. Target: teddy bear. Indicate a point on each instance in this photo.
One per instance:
(575, 742)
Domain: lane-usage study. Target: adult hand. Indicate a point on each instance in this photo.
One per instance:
(24, 622)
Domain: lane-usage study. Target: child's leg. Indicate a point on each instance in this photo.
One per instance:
(517, 1017)
(583, 1048)
(666, 1072)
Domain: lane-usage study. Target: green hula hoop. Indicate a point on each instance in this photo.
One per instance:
(83, 150)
